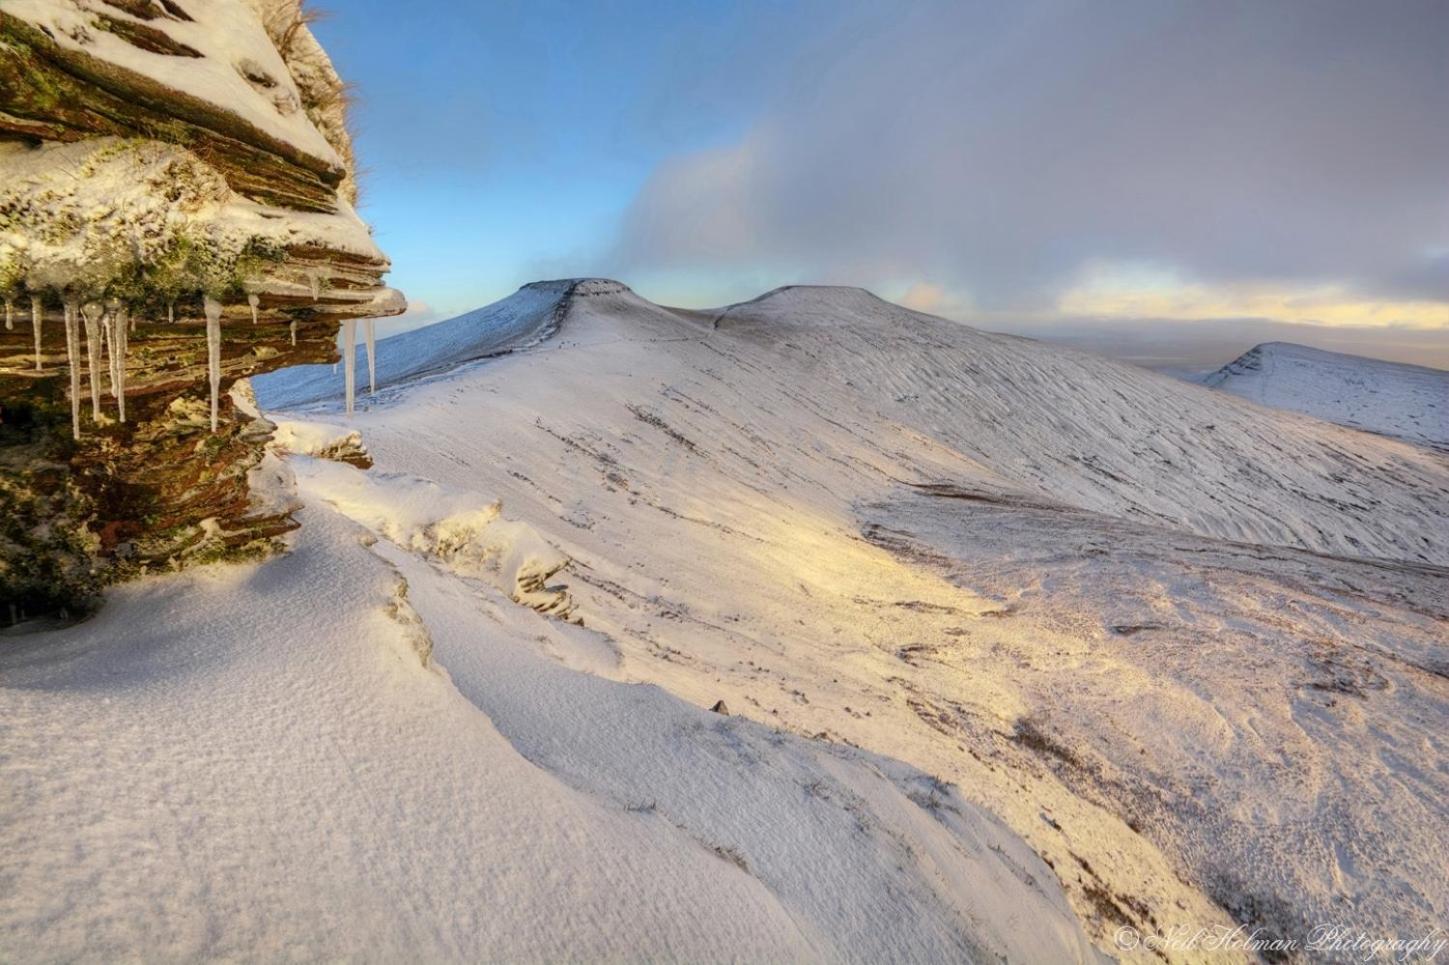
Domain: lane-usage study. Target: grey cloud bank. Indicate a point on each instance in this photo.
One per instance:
(1003, 150)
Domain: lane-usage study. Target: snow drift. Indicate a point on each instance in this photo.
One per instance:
(251, 762)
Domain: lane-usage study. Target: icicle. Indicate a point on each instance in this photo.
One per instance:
(108, 339)
(294, 331)
(170, 313)
(213, 352)
(253, 301)
(119, 326)
(9, 315)
(37, 310)
(349, 360)
(371, 334)
(314, 278)
(91, 313)
(72, 354)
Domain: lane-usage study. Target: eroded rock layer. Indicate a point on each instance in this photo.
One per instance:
(157, 157)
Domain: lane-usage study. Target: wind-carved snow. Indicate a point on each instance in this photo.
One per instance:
(1176, 641)
(1407, 401)
(457, 528)
(338, 796)
(319, 439)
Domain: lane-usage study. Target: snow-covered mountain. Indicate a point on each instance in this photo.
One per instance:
(1035, 418)
(1171, 637)
(524, 318)
(1390, 398)
(1019, 645)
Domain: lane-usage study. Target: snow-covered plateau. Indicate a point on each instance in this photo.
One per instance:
(1011, 648)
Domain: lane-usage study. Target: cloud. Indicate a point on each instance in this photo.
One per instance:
(1003, 149)
(923, 296)
(1107, 291)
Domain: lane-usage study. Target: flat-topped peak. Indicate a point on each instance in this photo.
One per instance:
(812, 293)
(812, 304)
(584, 287)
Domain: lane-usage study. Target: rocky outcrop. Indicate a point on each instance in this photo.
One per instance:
(160, 161)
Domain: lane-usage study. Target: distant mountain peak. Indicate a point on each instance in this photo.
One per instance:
(1389, 398)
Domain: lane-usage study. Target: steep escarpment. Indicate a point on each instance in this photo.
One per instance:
(176, 190)
(530, 315)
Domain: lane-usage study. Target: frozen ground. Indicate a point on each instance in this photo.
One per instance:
(1191, 649)
(1406, 401)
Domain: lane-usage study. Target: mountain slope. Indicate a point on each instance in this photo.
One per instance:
(1035, 419)
(244, 762)
(525, 318)
(1192, 650)
(1390, 398)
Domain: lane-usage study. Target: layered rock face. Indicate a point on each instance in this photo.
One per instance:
(176, 192)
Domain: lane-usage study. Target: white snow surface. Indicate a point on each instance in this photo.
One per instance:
(1406, 401)
(525, 318)
(1190, 651)
(253, 762)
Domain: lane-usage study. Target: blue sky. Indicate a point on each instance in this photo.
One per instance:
(1042, 163)
(505, 142)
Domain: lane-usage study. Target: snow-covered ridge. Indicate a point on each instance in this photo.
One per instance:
(1178, 641)
(529, 316)
(1037, 419)
(1405, 401)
